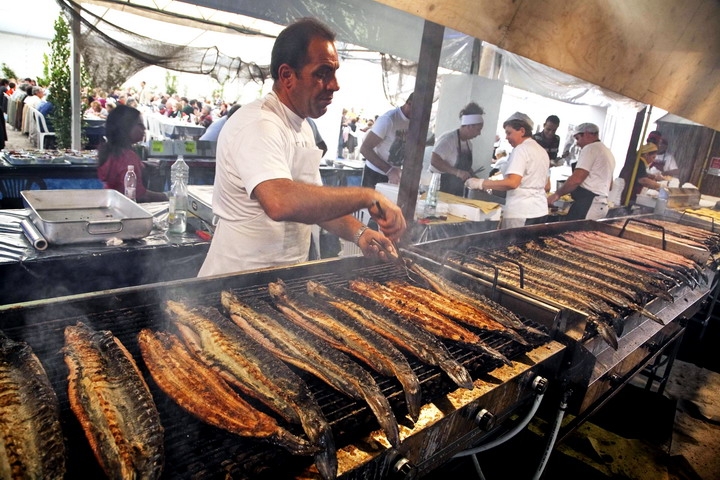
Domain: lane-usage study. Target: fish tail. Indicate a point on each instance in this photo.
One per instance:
(607, 333)
(386, 418)
(293, 443)
(457, 373)
(651, 316)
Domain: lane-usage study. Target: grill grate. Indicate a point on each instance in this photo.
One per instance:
(197, 450)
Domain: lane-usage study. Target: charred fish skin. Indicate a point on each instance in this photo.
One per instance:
(202, 391)
(31, 438)
(500, 314)
(352, 338)
(424, 316)
(257, 372)
(308, 352)
(403, 333)
(457, 310)
(110, 398)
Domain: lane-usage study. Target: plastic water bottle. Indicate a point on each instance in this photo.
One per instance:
(130, 183)
(662, 201)
(177, 211)
(431, 200)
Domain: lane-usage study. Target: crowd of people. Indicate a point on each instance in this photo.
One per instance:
(268, 189)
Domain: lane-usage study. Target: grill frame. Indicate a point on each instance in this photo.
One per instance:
(201, 451)
(593, 370)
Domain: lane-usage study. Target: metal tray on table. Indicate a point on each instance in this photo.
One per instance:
(79, 216)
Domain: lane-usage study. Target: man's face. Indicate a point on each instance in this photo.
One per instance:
(514, 137)
(585, 138)
(312, 90)
(549, 129)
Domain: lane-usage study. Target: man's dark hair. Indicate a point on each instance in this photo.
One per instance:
(291, 46)
(518, 124)
(233, 109)
(553, 119)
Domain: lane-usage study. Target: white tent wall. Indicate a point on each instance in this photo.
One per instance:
(24, 54)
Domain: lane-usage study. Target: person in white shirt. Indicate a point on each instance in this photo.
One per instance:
(384, 146)
(268, 191)
(526, 178)
(664, 164)
(590, 182)
(452, 154)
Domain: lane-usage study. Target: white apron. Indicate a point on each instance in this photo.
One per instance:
(261, 242)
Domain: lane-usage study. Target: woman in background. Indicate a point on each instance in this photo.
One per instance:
(452, 154)
(123, 128)
(526, 177)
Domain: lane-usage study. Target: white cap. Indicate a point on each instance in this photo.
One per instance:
(522, 117)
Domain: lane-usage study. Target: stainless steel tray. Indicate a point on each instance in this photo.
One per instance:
(200, 202)
(79, 216)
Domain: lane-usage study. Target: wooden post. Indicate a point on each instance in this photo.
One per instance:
(420, 117)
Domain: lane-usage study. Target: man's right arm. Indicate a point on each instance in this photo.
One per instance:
(367, 150)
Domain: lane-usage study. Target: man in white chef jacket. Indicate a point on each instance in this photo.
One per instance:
(268, 191)
(590, 182)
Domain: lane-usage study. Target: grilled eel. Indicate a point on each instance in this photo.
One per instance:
(401, 332)
(545, 289)
(312, 354)
(352, 338)
(110, 398)
(31, 438)
(202, 391)
(257, 372)
(499, 313)
(453, 308)
(424, 316)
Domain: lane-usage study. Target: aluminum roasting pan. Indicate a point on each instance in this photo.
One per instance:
(79, 216)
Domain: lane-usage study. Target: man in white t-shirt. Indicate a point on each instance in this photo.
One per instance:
(591, 180)
(268, 191)
(664, 164)
(384, 146)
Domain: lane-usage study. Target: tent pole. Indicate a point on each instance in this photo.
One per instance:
(430, 50)
(75, 128)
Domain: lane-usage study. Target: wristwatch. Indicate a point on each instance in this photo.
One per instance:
(358, 234)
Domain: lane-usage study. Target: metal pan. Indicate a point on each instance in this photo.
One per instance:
(79, 216)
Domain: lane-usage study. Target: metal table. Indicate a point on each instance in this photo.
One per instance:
(27, 274)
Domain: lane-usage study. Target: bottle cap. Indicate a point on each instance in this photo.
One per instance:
(131, 168)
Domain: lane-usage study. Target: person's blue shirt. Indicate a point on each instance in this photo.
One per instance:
(213, 130)
(47, 108)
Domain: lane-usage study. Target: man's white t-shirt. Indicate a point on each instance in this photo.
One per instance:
(392, 127)
(599, 162)
(262, 141)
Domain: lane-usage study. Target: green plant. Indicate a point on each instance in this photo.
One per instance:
(45, 79)
(60, 85)
(171, 83)
(8, 72)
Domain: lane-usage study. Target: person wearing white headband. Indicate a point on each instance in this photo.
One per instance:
(452, 153)
(526, 177)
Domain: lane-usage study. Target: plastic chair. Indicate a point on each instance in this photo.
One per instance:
(10, 188)
(41, 128)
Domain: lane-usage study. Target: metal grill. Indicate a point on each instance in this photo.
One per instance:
(194, 449)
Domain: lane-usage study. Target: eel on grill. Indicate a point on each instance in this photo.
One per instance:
(312, 354)
(406, 335)
(110, 398)
(31, 438)
(202, 391)
(257, 372)
(424, 316)
(352, 338)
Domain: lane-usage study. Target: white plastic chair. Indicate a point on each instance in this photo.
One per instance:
(41, 128)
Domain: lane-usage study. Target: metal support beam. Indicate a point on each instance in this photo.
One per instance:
(76, 127)
(420, 117)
